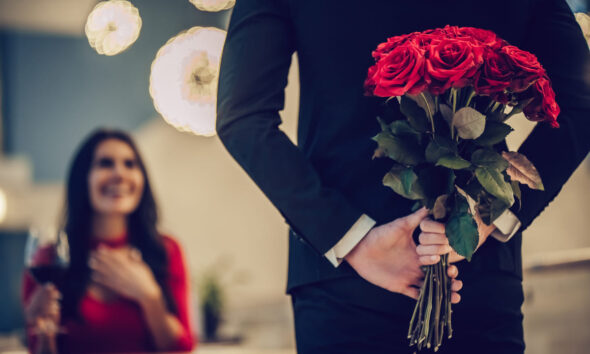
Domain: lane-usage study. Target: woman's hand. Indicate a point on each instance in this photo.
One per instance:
(43, 305)
(124, 272)
(434, 242)
(42, 314)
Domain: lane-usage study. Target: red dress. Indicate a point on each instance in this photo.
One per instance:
(119, 326)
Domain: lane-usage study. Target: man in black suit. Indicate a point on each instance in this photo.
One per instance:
(352, 262)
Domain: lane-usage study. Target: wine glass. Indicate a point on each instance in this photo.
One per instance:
(47, 257)
(47, 254)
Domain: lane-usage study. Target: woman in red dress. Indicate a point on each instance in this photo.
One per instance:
(126, 289)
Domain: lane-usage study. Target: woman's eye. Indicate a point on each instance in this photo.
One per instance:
(130, 164)
(105, 162)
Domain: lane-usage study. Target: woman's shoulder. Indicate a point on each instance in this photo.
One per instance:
(175, 254)
(172, 246)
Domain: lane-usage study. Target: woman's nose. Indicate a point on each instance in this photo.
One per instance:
(119, 169)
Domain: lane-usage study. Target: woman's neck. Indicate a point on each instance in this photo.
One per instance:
(106, 227)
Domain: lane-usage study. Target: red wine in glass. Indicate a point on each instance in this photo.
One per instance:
(47, 255)
(48, 273)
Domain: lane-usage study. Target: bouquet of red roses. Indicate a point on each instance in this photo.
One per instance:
(456, 87)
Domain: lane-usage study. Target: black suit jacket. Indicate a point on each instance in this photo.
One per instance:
(326, 182)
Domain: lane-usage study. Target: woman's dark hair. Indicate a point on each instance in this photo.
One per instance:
(77, 221)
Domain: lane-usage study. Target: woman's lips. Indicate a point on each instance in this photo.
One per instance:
(116, 191)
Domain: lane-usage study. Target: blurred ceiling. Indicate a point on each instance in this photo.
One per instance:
(66, 17)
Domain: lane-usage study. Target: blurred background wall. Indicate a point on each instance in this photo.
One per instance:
(55, 89)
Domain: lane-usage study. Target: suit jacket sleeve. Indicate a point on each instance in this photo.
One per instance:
(254, 68)
(556, 39)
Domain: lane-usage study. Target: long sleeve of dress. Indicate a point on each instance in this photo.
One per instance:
(179, 285)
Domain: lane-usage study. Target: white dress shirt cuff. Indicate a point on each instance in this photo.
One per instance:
(352, 237)
(507, 225)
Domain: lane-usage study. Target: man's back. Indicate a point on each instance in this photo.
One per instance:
(324, 185)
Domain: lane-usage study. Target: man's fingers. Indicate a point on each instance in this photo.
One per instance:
(433, 250)
(414, 219)
(429, 260)
(456, 285)
(412, 292)
(429, 225)
(455, 298)
(452, 271)
(430, 238)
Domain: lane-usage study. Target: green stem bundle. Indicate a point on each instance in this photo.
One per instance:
(432, 313)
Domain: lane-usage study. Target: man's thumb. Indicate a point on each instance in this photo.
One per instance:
(416, 217)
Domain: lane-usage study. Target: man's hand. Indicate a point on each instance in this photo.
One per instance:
(434, 242)
(387, 257)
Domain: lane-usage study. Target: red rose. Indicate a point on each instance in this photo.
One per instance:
(494, 75)
(439, 32)
(384, 48)
(401, 71)
(543, 107)
(526, 67)
(369, 84)
(426, 40)
(482, 37)
(450, 31)
(452, 63)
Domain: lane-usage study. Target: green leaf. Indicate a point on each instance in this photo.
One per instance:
(461, 229)
(474, 189)
(497, 207)
(469, 123)
(416, 115)
(384, 126)
(483, 209)
(490, 159)
(460, 204)
(524, 170)
(439, 210)
(404, 182)
(402, 129)
(454, 162)
(425, 101)
(498, 115)
(517, 192)
(408, 178)
(447, 113)
(494, 133)
(401, 149)
(439, 147)
(417, 205)
(494, 183)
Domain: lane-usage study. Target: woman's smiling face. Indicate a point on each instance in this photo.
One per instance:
(115, 180)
